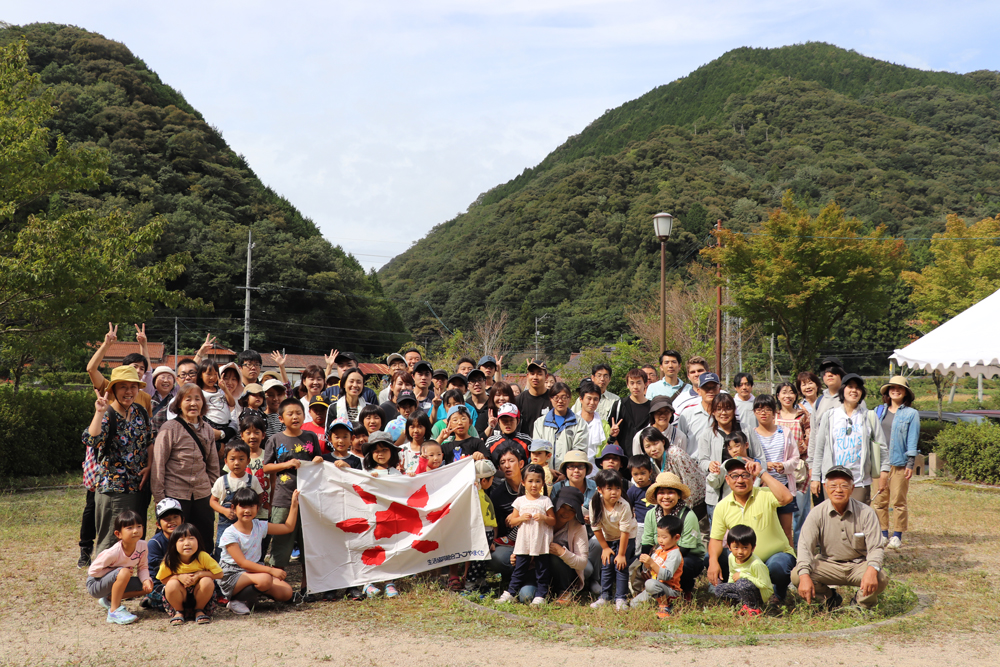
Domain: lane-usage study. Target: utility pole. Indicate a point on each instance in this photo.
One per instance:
(176, 350)
(537, 320)
(246, 311)
(718, 306)
(772, 364)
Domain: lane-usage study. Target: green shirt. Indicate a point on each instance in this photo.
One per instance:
(760, 513)
(690, 537)
(756, 571)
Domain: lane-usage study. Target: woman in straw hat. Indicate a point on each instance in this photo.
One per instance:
(119, 435)
(666, 496)
(901, 425)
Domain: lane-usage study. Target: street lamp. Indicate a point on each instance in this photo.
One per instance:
(662, 224)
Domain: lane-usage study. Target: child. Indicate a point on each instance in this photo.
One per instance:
(221, 498)
(507, 422)
(252, 401)
(219, 402)
(666, 497)
(372, 417)
(614, 525)
(431, 457)
(418, 427)
(283, 454)
(381, 459)
(243, 571)
(443, 430)
(406, 406)
(317, 418)
(168, 516)
(749, 580)
(188, 575)
(534, 514)
(642, 477)
(339, 437)
(476, 578)
(121, 571)
(613, 458)
(274, 394)
(664, 567)
(540, 453)
(359, 436)
(460, 441)
(252, 431)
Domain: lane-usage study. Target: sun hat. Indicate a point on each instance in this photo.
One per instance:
(660, 402)
(378, 438)
(897, 381)
(575, 456)
(252, 388)
(573, 497)
(122, 374)
(160, 370)
(613, 450)
(273, 375)
(231, 366)
(667, 480)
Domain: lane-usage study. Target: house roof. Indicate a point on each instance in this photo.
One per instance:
(121, 349)
(298, 362)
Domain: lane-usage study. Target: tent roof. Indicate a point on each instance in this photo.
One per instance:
(967, 343)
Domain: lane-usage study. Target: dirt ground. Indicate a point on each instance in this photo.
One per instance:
(46, 618)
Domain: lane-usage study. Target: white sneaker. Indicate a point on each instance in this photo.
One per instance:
(598, 603)
(238, 607)
(121, 616)
(506, 598)
(104, 603)
(895, 542)
(538, 601)
(621, 605)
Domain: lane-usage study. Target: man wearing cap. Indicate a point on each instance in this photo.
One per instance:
(422, 389)
(755, 507)
(490, 368)
(600, 375)
(841, 545)
(671, 385)
(535, 401)
(396, 363)
(697, 417)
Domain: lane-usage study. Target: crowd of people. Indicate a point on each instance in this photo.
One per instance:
(628, 500)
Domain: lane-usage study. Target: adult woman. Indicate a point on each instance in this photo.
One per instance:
(849, 436)
(119, 434)
(185, 463)
(503, 495)
(349, 405)
(901, 427)
(229, 375)
(560, 426)
(665, 496)
(400, 380)
(164, 390)
(677, 461)
(571, 566)
(807, 385)
(313, 381)
(498, 394)
(712, 446)
(789, 418)
(577, 469)
(781, 453)
(661, 415)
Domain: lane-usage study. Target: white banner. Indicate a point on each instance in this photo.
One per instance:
(360, 529)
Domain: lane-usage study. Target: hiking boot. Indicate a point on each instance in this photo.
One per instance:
(84, 558)
(833, 601)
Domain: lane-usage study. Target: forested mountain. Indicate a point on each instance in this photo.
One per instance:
(168, 161)
(572, 237)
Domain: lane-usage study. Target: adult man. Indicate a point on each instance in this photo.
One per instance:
(412, 357)
(187, 372)
(465, 366)
(249, 362)
(597, 426)
(754, 507)
(831, 371)
(476, 397)
(422, 386)
(630, 414)
(670, 386)
(600, 375)
(535, 401)
(743, 383)
(650, 372)
(489, 366)
(395, 362)
(344, 361)
(696, 366)
(849, 541)
(697, 417)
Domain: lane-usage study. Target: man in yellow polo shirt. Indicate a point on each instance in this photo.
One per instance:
(755, 507)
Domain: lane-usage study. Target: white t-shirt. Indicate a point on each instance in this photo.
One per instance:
(847, 447)
(595, 438)
(249, 544)
(774, 451)
(219, 488)
(218, 409)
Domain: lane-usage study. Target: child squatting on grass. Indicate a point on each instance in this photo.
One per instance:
(122, 570)
(749, 582)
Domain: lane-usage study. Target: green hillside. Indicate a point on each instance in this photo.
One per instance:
(168, 161)
(573, 235)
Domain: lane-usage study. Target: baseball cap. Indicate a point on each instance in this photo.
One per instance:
(440, 373)
(538, 364)
(458, 377)
(408, 396)
(341, 421)
(509, 410)
(163, 369)
(540, 446)
(423, 367)
(486, 360)
(706, 378)
(395, 356)
(485, 468)
(840, 471)
(457, 408)
(334, 373)
(478, 374)
(318, 400)
(737, 462)
(830, 363)
(272, 383)
(168, 506)
(344, 357)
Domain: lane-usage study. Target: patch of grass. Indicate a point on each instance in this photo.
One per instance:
(14, 484)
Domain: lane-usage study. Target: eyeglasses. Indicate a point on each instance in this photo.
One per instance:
(251, 364)
(740, 475)
(839, 487)
(850, 429)
(188, 375)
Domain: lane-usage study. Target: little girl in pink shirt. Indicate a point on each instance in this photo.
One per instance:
(534, 514)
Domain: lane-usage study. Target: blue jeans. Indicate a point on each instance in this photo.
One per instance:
(522, 576)
(779, 566)
(612, 575)
(803, 505)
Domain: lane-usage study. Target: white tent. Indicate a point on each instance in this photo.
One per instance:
(967, 343)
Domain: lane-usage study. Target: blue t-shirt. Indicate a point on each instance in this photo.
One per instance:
(637, 499)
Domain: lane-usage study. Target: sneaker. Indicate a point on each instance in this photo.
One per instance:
(506, 598)
(104, 603)
(537, 601)
(747, 610)
(121, 616)
(371, 590)
(297, 598)
(296, 554)
(833, 601)
(621, 605)
(598, 603)
(84, 558)
(390, 591)
(895, 542)
(663, 611)
(238, 607)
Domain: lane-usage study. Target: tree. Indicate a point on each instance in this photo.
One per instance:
(964, 270)
(805, 273)
(63, 273)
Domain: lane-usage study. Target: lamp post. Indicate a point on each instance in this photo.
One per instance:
(662, 224)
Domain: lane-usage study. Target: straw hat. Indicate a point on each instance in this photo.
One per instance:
(123, 374)
(897, 381)
(667, 480)
(574, 456)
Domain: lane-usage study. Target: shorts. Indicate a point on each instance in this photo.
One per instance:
(787, 509)
(230, 577)
(100, 587)
(189, 604)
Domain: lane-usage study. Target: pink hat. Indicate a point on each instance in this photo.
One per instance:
(509, 410)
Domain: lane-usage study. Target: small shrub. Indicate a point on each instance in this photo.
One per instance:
(40, 431)
(971, 451)
(929, 430)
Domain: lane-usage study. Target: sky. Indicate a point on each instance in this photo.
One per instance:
(379, 120)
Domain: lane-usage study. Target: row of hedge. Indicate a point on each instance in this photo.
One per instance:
(40, 430)
(971, 451)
